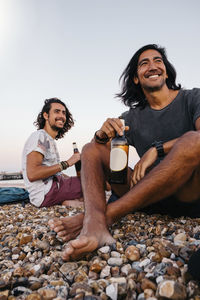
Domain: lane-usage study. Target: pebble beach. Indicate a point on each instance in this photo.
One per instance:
(148, 261)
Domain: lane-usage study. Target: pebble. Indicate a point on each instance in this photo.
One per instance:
(115, 261)
(148, 261)
(132, 253)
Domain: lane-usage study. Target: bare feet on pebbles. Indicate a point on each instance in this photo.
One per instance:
(67, 228)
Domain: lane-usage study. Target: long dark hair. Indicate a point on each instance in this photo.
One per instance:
(40, 122)
(132, 94)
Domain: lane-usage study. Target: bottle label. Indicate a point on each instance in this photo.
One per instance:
(118, 159)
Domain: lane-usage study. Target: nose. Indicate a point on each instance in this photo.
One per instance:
(152, 65)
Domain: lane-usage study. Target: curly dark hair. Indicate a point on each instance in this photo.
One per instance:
(132, 94)
(40, 122)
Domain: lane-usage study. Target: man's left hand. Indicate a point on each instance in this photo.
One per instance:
(143, 164)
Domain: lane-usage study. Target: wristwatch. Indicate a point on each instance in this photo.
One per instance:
(159, 148)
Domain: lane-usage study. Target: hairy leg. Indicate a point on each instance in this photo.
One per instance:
(164, 180)
(95, 233)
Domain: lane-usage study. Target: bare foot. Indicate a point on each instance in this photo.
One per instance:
(67, 228)
(76, 249)
(73, 203)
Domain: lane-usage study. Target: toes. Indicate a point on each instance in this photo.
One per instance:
(67, 252)
(78, 248)
(54, 223)
(81, 242)
(62, 233)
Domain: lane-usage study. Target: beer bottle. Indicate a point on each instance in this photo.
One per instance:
(119, 158)
(78, 163)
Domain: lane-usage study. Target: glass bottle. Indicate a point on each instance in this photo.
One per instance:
(78, 163)
(119, 158)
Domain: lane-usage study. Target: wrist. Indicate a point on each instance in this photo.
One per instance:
(63, 165)
(101, 137)
(158, 145)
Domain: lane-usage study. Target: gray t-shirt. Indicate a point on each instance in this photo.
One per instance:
(148, 125)
(39, 141)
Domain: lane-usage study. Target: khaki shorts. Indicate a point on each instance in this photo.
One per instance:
(62, 189)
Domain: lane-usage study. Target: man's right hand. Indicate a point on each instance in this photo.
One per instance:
(113, 125)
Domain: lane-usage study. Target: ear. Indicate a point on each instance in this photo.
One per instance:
(45, 115)
(135, 79)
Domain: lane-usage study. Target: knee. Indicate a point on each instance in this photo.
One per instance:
(94, 150)
(88, 149)
(190, 143)
(192, 139)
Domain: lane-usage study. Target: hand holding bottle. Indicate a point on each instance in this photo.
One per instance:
(112, 126)
(74, 159)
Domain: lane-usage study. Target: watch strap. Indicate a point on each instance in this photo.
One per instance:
(159, 147)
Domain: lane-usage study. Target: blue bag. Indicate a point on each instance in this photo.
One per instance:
(10, 195)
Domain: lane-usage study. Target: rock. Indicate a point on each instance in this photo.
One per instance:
(33, 296)
(25, 239)
(68, 267)
(171, 290)
(180, 239)
(47, 293)
(132, 253)
(148, 284)
(105, 272)
(80, 287)
(125, 269)
(96, 267)
(112, 291)
(44, 245)
(115, 261)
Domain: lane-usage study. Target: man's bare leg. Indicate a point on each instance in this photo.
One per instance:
(164, 180)
(95, 231)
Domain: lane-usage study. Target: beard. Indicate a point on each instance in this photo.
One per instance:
(151, 89)
(54, 127)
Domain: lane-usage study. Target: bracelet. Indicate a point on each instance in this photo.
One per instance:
(159, 148)
(63, 165)
(101, 140)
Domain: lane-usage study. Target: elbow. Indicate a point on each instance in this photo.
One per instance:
(31, 177)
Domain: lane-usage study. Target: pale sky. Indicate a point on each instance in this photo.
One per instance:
(76, 50)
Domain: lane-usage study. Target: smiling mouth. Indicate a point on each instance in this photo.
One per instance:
(154, 76)
(60, 121)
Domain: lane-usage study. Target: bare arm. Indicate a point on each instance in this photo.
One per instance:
(36, 170)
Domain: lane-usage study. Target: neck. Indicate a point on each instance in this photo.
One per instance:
(160, 99)
(50, 131)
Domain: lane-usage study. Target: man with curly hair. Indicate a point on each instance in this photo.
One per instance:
(42, 169)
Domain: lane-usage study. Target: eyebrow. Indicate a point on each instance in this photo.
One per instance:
(146, 59)
(58, 109)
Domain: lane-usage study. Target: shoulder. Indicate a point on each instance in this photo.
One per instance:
(195, 92)
(130, 112)
(37, 136)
